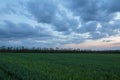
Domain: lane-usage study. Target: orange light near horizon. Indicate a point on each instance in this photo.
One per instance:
(97, 44)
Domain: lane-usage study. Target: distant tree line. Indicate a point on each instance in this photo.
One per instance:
(53, 50)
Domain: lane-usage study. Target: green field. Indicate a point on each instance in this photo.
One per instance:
(28, 66)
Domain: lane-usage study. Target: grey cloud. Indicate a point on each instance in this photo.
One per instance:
(97, 35)
(111, 29)
(12, 7)
(43, 11)
(106, 29)
(48, 12)
(118, 43)
(63, 21)
(112, 6)
(21, 30)
(92, 29)
(88, 27)
(86, 9)
(23, 34)
(93, 10)
(107, 40)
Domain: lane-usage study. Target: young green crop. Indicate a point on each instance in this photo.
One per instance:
(22, 66)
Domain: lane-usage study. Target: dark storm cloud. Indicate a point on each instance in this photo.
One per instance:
(64, 23)
(21, 30)
(112, 6)
(89, 27)
(50, 12)
(86, 9)
(90, 10)
(96, 11)
(43, 11)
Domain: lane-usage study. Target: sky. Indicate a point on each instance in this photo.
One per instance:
(83, 24)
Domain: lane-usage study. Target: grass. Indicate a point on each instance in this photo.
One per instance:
(30, 66)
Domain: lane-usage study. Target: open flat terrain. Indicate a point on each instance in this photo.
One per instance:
(30, 66)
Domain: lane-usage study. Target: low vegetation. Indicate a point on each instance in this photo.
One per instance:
(25, 66)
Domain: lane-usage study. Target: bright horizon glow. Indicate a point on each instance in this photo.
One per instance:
(101, 44)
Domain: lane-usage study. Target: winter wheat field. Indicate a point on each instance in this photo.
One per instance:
(31, 66)
(30, 30)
